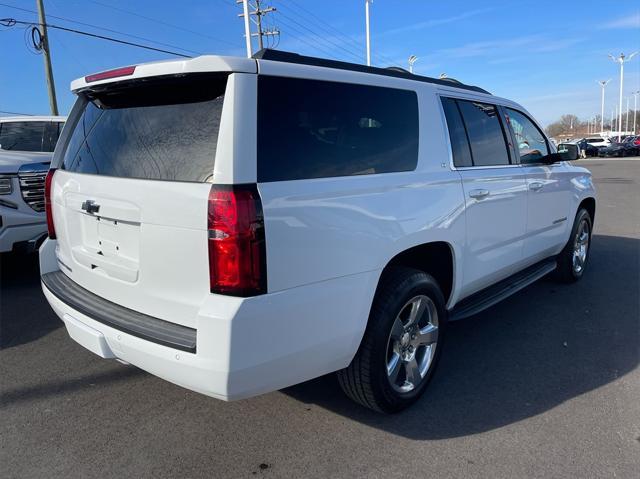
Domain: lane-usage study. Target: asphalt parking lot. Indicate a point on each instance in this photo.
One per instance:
(545, 384)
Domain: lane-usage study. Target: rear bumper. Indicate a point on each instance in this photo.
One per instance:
(245, 346)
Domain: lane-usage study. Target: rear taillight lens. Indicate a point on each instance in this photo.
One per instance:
(237, 253)
(48, 203)
(118, 72)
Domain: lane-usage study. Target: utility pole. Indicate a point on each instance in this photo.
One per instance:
(258, 11)
(603, 83)
(366, 8)
(53, 102)
(621, 60)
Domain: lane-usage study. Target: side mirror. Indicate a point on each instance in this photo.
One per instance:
(566, 152)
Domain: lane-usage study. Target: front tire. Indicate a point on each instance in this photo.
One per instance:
(572, 260)
(401, 345)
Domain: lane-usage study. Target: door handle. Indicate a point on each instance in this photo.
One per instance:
(535, 186)
(478, 194)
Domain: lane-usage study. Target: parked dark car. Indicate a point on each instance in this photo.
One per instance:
(630, 146)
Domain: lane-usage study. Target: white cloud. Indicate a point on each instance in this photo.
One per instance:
(498, 48)
(436, 22)
(628, 21)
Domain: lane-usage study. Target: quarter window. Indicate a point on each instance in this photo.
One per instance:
(320, 129)
(529, 139)
(457, 133)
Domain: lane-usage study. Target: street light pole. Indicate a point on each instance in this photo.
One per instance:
(247, 28)
(366, 7)
(611, 124)
(626, 122)
(412, 60)
(621, 60)
(603, 83)
(635, 109)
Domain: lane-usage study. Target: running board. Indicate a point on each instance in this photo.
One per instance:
(494, 294)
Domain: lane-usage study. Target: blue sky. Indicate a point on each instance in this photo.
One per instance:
(546, 55)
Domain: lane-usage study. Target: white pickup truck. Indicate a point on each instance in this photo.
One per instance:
(236, 226)
(26, 148)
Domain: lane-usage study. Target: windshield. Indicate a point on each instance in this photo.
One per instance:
(162, 129)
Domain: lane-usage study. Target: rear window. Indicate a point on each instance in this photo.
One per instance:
(319, 129)
(23, 136)
(160, 129)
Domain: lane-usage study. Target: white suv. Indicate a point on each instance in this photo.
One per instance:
(236, 226)
(26, 148)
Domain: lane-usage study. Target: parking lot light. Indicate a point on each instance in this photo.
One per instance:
(621, 60)
(635, 109)
(603, 83)
(412, 60)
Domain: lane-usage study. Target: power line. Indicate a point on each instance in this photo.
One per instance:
(333, 32)
(337, 33)
(15, 113)
(302, 39)
(9, 22)
(319, 36)
(162, 22)
(78, 22)
(290, 26)
(259, 12)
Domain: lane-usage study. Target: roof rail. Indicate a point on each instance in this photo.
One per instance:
(288, 57)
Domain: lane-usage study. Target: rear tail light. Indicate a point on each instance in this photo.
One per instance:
(237, 252)
(48, 203)
(118, 72)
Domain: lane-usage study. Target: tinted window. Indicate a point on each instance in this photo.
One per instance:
(317, 129)
(488, 146)
(529, 139)
(165, 131)
(51, 133)
(22, 135)
(457, 133)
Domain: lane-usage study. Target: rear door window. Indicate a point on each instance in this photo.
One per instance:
(485, 132)
(162, 129)
(319, 129)
(22, 135)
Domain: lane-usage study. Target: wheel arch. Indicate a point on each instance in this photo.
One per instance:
(589, 204)
(436, 258)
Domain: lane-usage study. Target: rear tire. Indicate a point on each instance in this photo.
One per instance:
(401, 344)
(572, 260)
